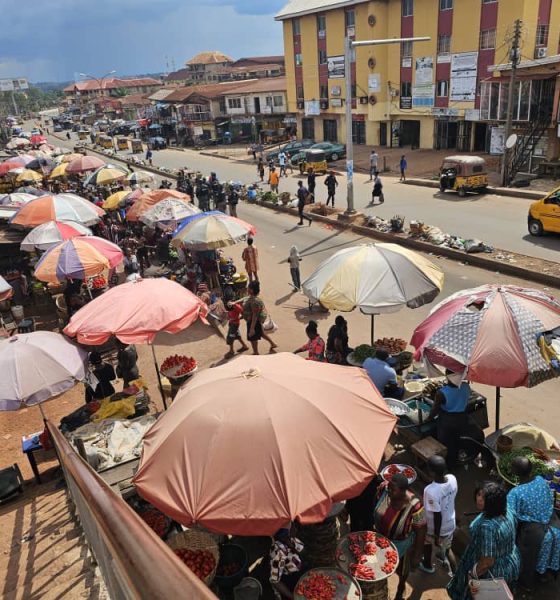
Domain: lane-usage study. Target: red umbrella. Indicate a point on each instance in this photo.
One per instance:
(11, 164)
(84, 163)
(37, 139)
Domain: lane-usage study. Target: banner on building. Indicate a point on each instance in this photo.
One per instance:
(497, 140)
(312, 108)
(424, 72)
(464, 68)
(335, 67)
(423, 95)
(13, 85)
(374, 83)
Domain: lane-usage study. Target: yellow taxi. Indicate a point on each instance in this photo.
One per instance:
(544, 215)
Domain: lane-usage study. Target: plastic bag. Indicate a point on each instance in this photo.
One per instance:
(120, 409)
(473, 246)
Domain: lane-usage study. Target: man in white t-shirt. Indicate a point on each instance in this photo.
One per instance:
(439, 504)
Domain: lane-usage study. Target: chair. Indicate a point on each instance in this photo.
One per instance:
(11, 481)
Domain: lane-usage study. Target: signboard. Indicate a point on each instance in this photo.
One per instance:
(405, 102)
(445, 112)
(13, 85)
(335, 67)
(406, 63)
(443, 59)
(336, 102)
(374, 83)
(423, 95)
(289, 120)
(197, 130)
(424, 72)
(336, 90)
(312, 108)
(497, 140)
(472, 114)
(464, 68)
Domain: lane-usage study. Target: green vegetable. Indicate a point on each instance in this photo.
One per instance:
(540, 467)
(364, 351)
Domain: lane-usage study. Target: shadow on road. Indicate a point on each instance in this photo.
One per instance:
(454, 197)
(550, 241)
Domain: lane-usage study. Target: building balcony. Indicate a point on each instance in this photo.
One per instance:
(197, 117)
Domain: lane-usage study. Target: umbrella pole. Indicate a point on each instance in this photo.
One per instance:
(42, 412)
(160, 385)
(372, 329)
(498, 398)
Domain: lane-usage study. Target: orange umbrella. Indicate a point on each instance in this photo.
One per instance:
(150, 198)
(84, 163)
(244, 448)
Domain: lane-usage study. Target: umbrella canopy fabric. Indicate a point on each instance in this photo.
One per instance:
(148, 199)
(169, 212)
(376, 278)
(85, 163)
(29, 176)
(6, 290)
(28, 189)
(17, 143)
(211, 230)
(114, 200)
(42, 165)
(11, 165)
(37, 140)
(135, 312)
(49, 234)
(78, 258)
(16, 199)
(141, 178)
(105, 176)
(66, 158)
(491, 332)
(60, 207)
(245, 449)
(59, 171)
(36, 367)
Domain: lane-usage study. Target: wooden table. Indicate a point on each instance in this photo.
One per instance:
(423, 450)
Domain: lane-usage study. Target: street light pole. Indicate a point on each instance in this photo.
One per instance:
(349, 45)
(99, 80)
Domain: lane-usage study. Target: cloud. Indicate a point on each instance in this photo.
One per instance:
(53, 39)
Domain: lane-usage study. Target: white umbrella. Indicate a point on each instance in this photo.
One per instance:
(16, 199)
(141, 178)
(168, 213)
(49, 234)
(6, 290)
(36, 367)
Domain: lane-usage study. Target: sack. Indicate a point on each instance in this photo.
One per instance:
(491, 589)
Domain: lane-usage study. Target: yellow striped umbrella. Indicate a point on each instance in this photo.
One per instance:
(59, 171)
(106, 176)
(113, 201)
(66, 158)
(29, 176)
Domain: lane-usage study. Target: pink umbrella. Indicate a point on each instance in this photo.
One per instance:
(245, 447)
(491, 333)
(36, 140)
(11, 165)
(84, 163)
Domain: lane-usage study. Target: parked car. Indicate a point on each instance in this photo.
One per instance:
(290, 148)
(544, 215)
(332, 151)
(157, 143)
(58, 128)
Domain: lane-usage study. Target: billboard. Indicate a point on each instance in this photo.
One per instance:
(13, 85)
(335, 67)
(464, 67)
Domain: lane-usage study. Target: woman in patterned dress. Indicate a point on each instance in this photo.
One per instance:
(492, 548)
(315, 347)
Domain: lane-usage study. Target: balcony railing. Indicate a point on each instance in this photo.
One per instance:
(197, 116)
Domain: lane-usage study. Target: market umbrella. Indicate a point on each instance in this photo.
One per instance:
(151, 197)
(37, 140)
(6, 290)
(492, 335)
(141, 178)
(66, 158)
(59, 171)
(168, 213)
(244, 448)
(28, 189)
(376, 278)
(211, 230)
(59, 207)
(36, 367)
(114, 200)
(136, 312)
(16, 199)
(49, 234)
(11, 165)
(17, 143)
(78, 258)
(105, 176)
(85, 163)
(29, 176)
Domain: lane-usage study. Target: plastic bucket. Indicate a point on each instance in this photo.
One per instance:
(17, 312)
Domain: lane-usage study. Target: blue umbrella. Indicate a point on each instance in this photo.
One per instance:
(187, 220)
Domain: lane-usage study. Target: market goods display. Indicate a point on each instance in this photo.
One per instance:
(362, 352)
(390, 470)
(542, 465)
(431, 388)
(97, 283)
(392, 345)
(198, 550)
(200, 562)
(156, 521)
(327, 584)
(177, 366)
(320, 541)
(367, 556)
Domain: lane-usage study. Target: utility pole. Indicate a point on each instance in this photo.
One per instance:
(515, 55)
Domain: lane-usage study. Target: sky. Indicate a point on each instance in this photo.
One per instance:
(55, 40)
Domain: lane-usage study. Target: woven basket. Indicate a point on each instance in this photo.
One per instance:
(194, 539)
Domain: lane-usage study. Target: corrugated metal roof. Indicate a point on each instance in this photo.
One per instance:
(162, 94)
(297, 8)
(268, 84)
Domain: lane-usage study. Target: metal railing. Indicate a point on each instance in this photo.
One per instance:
(134, 562)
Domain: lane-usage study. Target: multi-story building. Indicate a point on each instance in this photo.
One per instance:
(83, 93)
(436, 94)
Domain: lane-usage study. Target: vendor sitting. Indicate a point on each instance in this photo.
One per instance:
(98, 380)
(384, 377)
(450, 405)
(286, 566)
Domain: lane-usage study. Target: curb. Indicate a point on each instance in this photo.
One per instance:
(499, 191)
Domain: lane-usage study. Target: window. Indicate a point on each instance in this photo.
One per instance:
(542, 35)
(489, 1)
(444, 44)
(406, 89)
(278, 100)
(234, 102)
(488, 39)
(442, 88)
(299, 60)
(350, 18)
(445, 4)
(299, 92)
(269, 100)
(321, 25)
(406, 49)
(296, 30)
(407, 8)
(330, 130)
(322, 57)
(324, 91)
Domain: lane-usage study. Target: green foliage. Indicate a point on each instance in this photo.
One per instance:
(30, 101)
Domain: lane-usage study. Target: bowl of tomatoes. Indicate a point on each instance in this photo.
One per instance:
(326, 584)
(198, 550)
(406, 470)
(367, 556)
(178, 368)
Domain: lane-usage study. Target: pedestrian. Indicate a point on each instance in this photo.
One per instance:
(302, 194)
(403, 165)
(149, 155)
(99, 378)
(254, 313)
(337, 342)
(377, 190)
(289, 165)
(251, 258)
(439, 503)
(331, 183)
(311, 176)
(315, 347)
(373, 163)
(294, 259)
(203, 195)
(130, 262)
(233, 200)
(282, 163)
(273, 180)
(260, 168)
(68, 136)
(127, 357)
(235, 311)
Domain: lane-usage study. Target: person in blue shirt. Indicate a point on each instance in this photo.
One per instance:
(384, 377)
(403, 166)
(532, 503)
(450, 405)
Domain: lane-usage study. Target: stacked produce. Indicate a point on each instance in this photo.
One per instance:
(156, 520)
(540, 461)
(362, 352)
(392, 345)
(98, 283)
(200, 562)
(390, 470)
(326, 584)
(367, 556)
(177, 366)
